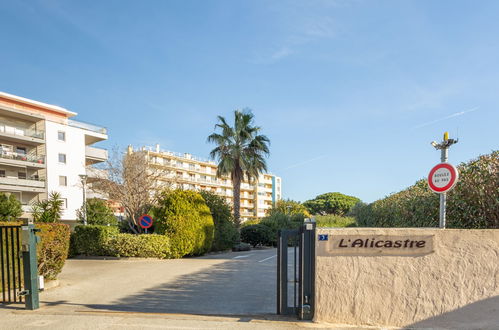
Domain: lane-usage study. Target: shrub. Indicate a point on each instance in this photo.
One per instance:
(10, 207)
(226, 233)
(186, 219)
(97, 213)
(49, 210)
(143, 246)
(52, 250)
(331, 203)
(334, 221)
(473, 203)
(93, 240)
(257, 235)
(278, 221)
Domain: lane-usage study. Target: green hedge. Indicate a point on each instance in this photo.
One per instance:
(185, 218)
(93, 240)
(473, 203)
(278, 221)
(257, 235)
(143, 246)
(334, 221)
(52, 250)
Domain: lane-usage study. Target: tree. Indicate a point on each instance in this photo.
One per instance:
(240, 152)
(97, 213)
(49, 210)
(331, 203)
(10, 207)
(133, 182)
(289, 207)
(226, 233)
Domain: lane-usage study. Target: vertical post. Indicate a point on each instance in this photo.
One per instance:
(443, 196)
(31, 289)
(307, 272)
(83, 178)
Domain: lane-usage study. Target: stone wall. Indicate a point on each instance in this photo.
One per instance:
(453, 284)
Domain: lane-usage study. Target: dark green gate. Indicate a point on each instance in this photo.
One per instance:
(10, 265)
(296, 272)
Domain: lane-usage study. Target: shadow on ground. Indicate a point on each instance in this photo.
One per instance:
(235, 287)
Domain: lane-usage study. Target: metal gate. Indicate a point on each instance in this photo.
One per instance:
(296, 272)
(11, 265)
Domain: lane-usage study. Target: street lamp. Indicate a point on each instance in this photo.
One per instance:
(83, 178)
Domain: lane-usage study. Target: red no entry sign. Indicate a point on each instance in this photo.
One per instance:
(442, 177)
(145, 221)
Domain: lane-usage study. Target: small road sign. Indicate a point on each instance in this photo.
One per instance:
(442, 177)
(145, 221)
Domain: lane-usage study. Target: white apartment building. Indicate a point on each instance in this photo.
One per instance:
(194, 173)
(42, 150)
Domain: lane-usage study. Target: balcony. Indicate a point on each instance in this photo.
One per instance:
(31, 185)
(13, 133)
(23, 160)
(93, 133)
(95, 155)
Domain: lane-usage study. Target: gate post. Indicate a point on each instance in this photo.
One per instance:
(29, 241)
(307, 271)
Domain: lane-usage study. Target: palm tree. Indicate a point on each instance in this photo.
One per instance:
(240, 152)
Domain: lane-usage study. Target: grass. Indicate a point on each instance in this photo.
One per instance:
(334, 221)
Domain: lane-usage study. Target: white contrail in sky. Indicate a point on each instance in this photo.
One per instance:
(457, 114)
(305, 162)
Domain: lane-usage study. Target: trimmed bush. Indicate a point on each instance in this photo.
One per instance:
(473, 203)
(143, 246)
(93, 240)
(226, 233)
(52, 250)
(186, 219)
(257, 235)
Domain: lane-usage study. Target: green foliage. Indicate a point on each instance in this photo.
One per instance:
(226, 233)
(93, 240)
(240, 152)
(186, 219)
(331, 203)
(473, 203)
(250, 222)
(49, 210)
(10, 207)
(289, 207)
(257, 235)
(52, 250)
(142, 246)
(97, 213)
(278, 221)
(334, 221)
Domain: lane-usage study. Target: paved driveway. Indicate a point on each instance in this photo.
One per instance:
(236, 283)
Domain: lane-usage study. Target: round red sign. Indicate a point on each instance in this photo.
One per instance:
(145, 221)
(442, 177)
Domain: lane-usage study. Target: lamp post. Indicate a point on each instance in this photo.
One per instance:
(83, 178)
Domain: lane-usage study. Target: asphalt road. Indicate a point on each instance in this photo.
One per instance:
(235, 283)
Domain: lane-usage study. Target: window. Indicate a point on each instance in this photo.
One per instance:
(62, 158)
(21, 150)
(63, 180)
(2, 173)
(64, 203)
(61, 136)
(21, 175)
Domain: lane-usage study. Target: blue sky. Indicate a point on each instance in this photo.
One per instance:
(351, 93)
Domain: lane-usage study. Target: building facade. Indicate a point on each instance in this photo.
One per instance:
(42, 150)
(194, 173)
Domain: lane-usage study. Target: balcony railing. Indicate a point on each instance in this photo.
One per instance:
(31, 182)
(22, 157)
(18, 131)
(87, 126)
(96, 153)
